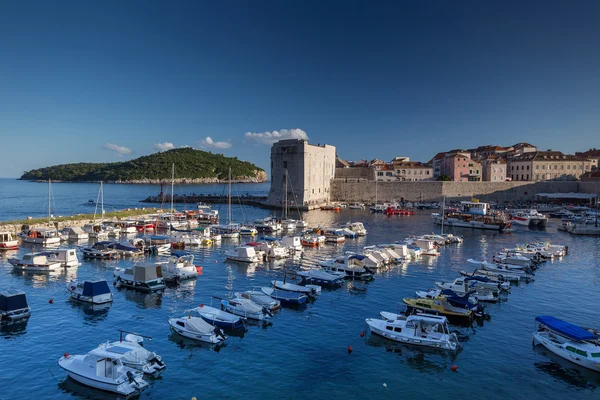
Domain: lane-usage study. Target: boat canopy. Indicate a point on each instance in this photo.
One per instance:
(477, 278)
(12, 299)
(145, 273)
(358, 257)
(126, 247)
(199, 325)
(565, 328)
(95, 288)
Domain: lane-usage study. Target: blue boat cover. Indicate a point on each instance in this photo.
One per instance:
(95, 288)
(156, 237)
(180, 253)
(359, 257)
(12, 301)
(565, 328)
(126, 247)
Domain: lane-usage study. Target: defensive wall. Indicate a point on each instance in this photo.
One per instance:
(364, 191)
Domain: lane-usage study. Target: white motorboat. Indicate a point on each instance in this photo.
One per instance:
(229, 231)
(197, 328)
(310, 291)
(35, 262)
(294, 244)
(217, 317)
(103, 370)
(13, 305)
(356, 206)
(243, 254)
(272, 249)
(498, 276)
(75, 233)
(513, 258)
(7, 241)
(179, 267)
(506, 270)
(334, 235)
(104, 250)
(356, 227)
(530, 218)
(301, 224)
(352, 265)
(66, 257)
(480, 291)
(310, 239)
(259, 298)
(132, 354)
(427, 246)
(95, 292)
(578, 345)
(146, 278)
(268, 224)
(420, 330)
(128, 227)
(41, 236)
(246, 308)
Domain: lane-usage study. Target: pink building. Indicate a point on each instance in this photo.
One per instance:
(460, 167)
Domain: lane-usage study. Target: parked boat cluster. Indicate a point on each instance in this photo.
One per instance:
(426, 317)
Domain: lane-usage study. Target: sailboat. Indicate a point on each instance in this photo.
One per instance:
(286, 222)
(97, 230)
(231, 230)
(43, 236)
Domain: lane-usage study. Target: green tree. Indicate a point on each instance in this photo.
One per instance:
(443, 178)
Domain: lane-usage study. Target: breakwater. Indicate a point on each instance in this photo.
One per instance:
(257, 201)
(365, 191)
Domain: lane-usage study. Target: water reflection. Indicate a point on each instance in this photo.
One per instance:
(143, 300)
(422, 359)
(37, 279)
(11, 329)
(92, 313)
(183, 343)
(565, 371)
(76, 389)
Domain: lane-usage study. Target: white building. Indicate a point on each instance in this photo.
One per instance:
(310, 170)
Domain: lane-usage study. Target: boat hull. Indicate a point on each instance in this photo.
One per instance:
(539, 339)
(376, 327)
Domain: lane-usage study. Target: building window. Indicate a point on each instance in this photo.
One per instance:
(428, 172)
(568, 167)
(285, 164)
(388, 174)
(537, 166)
(522, 177)
(380, 174)
(528, 168)
(527, 177)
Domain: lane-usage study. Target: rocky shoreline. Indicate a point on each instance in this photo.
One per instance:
(178, 181)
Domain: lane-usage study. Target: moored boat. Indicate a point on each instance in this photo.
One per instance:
(95, 292)
(197, 328)
(104, 371)
(35, 262)
(569, 341)
(146, 278)
(7, 241)
(217, 317)
(440, 306)
(284, 296)
(420, 330)
(13, 305)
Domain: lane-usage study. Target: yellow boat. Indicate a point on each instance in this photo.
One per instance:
(439, 305)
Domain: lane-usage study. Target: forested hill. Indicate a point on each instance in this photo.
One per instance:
(191, 165)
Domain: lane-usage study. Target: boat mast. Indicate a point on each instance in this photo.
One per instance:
(443, 208)
(102, 202)
(229, 199)
(285, 210)
(172, 185)
(49, 218)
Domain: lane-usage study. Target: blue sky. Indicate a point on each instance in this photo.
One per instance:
(109, 81)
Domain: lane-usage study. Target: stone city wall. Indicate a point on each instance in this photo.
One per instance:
(369, 191)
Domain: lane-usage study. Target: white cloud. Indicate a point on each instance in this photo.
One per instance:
(119, 150)
(164, 146)
(208, 142)
(272, 137)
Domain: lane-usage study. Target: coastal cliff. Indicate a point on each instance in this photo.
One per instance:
(191, 166)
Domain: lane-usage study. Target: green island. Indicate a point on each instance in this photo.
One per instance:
(191, 166)
(119, 214)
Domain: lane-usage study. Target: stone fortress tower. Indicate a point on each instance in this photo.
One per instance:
(310, 170)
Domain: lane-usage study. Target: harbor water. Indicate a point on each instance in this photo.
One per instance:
(301, 353)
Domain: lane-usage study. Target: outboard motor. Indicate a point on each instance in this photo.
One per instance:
(219, 333)
(266, 311)
(131, 377)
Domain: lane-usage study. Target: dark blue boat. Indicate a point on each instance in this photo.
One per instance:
(321, 278)
(565, 328)
(285, 297)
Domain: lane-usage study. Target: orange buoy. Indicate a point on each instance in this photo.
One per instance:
(362, 334)
(454, 368)
(66, 355)
(51, 301)
(201, 305)
(349, 349)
